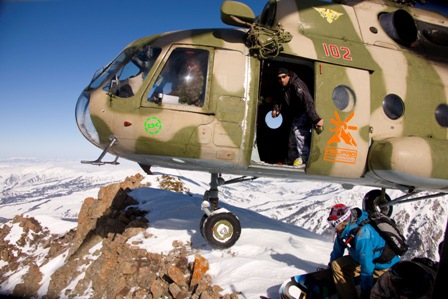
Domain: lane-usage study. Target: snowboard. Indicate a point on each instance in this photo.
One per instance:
(314, 285)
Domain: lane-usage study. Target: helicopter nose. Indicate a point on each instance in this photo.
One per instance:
(83, 119)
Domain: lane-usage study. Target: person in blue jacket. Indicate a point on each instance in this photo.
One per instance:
(364, 248)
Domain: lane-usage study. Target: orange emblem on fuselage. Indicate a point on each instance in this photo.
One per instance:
(342, 130)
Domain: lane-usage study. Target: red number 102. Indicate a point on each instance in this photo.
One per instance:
(337, 52)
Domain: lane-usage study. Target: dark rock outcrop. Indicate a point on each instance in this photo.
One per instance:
(96, 260)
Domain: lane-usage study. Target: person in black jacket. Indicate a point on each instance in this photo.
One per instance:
(412, 279)
(297, 105)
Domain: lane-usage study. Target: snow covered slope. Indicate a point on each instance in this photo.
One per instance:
(283, 221)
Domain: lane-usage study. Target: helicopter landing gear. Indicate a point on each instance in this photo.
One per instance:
(374, 201)
(219, 227)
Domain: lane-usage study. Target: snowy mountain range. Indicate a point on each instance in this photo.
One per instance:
(284, 231)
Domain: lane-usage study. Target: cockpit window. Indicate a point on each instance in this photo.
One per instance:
(183, 78)
(102, 74)
(127, 72)
(129, 78)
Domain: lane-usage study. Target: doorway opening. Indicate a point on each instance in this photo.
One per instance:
(272, 134)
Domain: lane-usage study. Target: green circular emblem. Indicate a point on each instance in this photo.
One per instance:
(153, 125)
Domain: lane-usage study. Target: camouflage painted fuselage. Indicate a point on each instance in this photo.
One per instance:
(390, 130)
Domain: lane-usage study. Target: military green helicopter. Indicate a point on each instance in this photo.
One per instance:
(199, 100)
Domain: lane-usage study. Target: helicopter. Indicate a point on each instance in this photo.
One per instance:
(377, 71)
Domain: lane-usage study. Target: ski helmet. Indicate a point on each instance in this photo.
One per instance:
(338, 214)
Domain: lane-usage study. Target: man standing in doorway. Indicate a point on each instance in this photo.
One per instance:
(297, 104)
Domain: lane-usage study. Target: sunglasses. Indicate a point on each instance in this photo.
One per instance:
(336, 222)
(282, 77)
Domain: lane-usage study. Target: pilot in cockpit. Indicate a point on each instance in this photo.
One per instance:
(190, 83)
(182, 80)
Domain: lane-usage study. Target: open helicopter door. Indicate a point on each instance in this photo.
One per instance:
(342, 97)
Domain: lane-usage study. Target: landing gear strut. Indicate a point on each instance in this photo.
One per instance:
(219, 227)
(379, 201)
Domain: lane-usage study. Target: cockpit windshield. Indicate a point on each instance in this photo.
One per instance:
(131, 62)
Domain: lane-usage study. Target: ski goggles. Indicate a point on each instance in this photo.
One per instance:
(334, 221)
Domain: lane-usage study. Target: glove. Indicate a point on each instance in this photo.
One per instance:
(276, 110)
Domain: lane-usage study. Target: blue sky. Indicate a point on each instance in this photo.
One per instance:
(49, 51)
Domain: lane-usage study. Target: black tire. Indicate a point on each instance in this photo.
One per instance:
(201, 225)
(221, 230)
(372, 201)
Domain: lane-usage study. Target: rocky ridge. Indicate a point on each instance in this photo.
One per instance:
(95, 260)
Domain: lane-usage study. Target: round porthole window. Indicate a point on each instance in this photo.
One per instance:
(393, 106)
(442, 115)
(344, 98)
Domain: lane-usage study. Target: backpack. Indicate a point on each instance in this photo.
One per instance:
(388, 230)
(433, 265)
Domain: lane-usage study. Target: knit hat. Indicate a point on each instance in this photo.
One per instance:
(338, 214)
(282, 70)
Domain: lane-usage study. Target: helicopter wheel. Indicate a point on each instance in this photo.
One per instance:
(201, 225)
(221, 230)
(372, 201)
